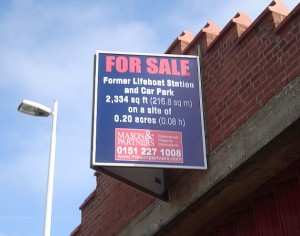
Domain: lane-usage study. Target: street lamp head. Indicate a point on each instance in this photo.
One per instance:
(34, 109)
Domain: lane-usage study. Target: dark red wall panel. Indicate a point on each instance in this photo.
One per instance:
(267, 217)
(288, 200)
(245, 224)
(226, 230)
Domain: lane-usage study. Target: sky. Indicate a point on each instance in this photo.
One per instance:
(46, 52)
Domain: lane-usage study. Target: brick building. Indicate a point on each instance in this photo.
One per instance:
(251, 87)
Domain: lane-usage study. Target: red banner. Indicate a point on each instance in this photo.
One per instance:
(148, 145)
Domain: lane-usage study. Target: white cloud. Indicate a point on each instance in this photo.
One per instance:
(46, 61)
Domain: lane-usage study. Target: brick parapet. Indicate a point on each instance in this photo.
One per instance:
(180, 43)
(205, 37)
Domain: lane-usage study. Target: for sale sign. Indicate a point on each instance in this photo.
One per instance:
(147, 111)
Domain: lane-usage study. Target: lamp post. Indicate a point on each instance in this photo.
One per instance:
(36, 109)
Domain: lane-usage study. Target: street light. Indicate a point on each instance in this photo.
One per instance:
(36, 109)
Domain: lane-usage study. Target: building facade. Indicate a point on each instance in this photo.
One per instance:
(250, 75)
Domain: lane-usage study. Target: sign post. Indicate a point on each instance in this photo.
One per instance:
(147, 114)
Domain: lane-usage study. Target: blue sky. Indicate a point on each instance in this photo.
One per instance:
(46, 53)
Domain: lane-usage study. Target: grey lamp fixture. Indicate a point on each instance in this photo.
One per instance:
(36, 109)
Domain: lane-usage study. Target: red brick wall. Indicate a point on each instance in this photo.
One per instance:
(243, 67)
(241, 74)
(110, 207)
